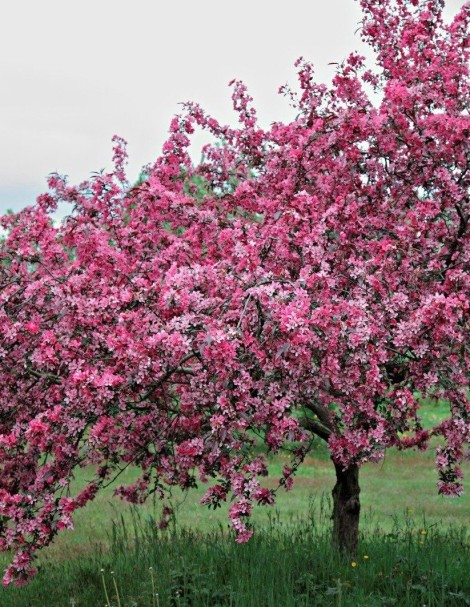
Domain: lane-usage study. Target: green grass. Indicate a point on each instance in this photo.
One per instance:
(282, 566)
(403, 482)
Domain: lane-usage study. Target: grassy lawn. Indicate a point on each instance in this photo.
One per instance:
(288, 563)
(403, 485)
(400, 487)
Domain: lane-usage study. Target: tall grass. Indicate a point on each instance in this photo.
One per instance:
(284, 565)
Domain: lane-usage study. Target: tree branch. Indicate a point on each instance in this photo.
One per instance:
(55, 379)
(315, 426)
(167, 375)
(321, 413)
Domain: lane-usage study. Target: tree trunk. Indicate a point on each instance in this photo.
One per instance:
(346, 508)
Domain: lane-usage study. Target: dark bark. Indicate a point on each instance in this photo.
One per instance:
(346, 509)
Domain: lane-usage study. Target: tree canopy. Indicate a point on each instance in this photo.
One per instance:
(307, 280)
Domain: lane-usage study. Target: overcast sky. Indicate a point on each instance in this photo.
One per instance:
(74, 73)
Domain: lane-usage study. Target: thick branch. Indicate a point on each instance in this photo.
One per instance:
(320, 412)
(315, 426)
(185, 370)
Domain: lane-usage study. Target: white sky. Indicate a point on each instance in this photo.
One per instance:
(73, 74)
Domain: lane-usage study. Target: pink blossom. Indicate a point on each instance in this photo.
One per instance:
(32, 327)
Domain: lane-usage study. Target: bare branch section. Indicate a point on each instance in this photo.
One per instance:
(321, 413)
(315, 426)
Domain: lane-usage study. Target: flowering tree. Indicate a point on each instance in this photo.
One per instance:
(310, 280)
